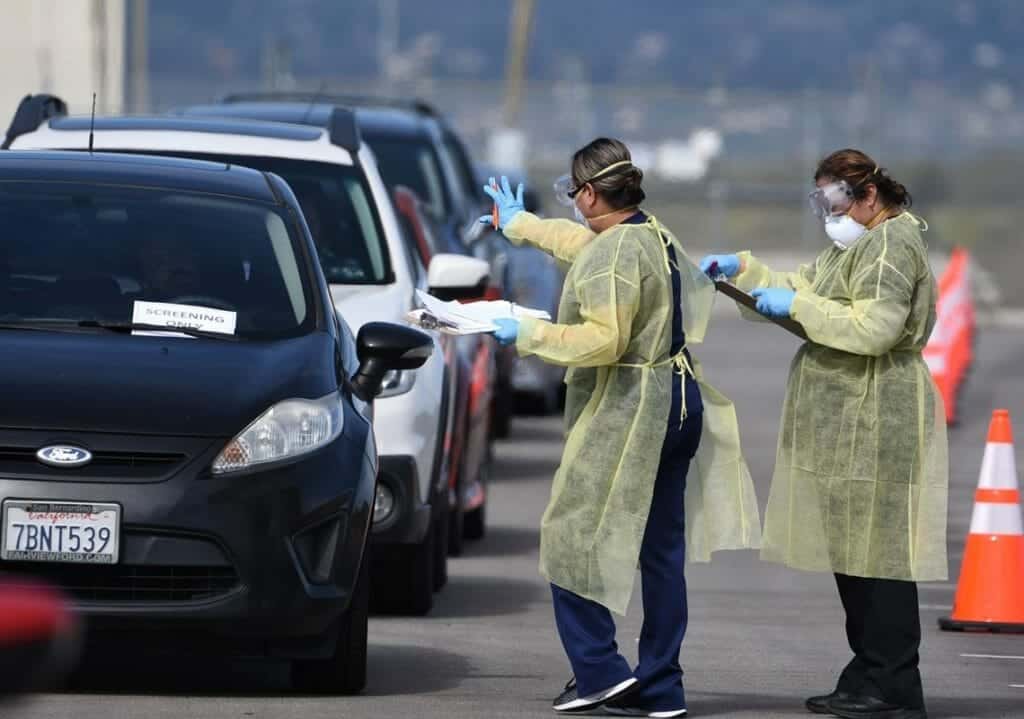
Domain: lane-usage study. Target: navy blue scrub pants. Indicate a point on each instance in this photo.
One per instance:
(586, 627)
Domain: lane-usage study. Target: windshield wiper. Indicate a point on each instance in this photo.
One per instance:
(125, 327)
(30, 326)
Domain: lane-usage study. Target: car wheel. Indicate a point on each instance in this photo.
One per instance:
(502, 407)
(403, 582)
(475, 525)
(456, 532)
(344, 672)
(441, 552)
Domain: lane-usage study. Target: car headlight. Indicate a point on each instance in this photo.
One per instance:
(397, 382)
(288, 429)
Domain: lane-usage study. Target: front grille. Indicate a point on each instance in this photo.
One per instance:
(104, 465)
(126, 583)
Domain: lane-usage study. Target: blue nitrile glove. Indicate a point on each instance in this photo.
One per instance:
(728, 265)
(509, 205)
(508, 330)
(774, 301)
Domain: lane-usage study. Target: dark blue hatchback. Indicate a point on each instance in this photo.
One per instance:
(185, 438)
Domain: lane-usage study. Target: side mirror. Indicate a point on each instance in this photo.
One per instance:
(456, 277)
(382, 347)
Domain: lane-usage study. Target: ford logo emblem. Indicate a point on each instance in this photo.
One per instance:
(64, 455)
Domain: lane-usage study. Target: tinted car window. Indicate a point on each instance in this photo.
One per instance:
(340, 212)
(73, 252)
(463, 167)
(415, 164)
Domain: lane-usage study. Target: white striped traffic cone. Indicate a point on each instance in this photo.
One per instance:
(990, 593)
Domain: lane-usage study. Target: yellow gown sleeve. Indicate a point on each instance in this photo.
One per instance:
(609, 300)
(758, 274)
(563, 239)
(874, 320)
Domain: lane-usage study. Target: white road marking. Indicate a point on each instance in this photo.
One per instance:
(1017, 686)
(991, 656)
(935, 607)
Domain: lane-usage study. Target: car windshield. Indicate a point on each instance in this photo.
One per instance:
(77, 255)
(415, 164)
(339, 211)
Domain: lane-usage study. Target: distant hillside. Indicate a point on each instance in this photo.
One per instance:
(964, 46)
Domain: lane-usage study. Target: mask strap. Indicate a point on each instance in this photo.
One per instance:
(605, 171)
(608, 169)
(613, 212)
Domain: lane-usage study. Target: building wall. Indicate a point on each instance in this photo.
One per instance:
(70, 48)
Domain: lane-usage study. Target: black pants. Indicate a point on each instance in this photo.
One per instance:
(884, 630)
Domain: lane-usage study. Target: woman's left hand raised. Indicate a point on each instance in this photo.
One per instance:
(508, 205)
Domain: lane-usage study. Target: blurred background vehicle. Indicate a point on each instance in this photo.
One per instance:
(366, 263)
(216, 491)
(468, 447)
(535, 281)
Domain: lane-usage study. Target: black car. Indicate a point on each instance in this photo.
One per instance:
(185, 439)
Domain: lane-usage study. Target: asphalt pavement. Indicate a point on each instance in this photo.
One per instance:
(761, 637)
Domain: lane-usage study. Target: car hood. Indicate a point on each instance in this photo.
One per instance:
(360, 304)
(154, 385)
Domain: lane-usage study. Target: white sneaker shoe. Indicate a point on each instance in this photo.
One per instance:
(634, 712)
(570, 702)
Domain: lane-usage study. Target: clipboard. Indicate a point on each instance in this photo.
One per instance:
(741, 297)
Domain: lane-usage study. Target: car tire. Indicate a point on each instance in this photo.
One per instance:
(441, 552)
(404, 581)
(502, 407)
(344, 672)
(456, 531)
(475, 522)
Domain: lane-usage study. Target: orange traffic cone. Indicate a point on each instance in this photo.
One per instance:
(990, 593)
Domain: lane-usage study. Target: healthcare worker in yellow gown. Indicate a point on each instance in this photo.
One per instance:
(861, 473)
(637, 413)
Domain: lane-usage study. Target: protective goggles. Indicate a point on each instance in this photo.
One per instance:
(832, 199)
(566, 190)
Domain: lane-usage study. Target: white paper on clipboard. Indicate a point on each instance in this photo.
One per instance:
(471, 317)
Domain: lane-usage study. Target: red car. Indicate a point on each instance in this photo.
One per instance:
(38, 636)
(474, 363)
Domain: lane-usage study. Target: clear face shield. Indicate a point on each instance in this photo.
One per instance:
(831, 200)
(565, 191)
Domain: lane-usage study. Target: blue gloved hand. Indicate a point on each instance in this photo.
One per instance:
(508, 330)
(509, 205)
(728, 265)
(774, 301)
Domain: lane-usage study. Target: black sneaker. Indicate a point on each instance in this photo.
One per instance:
(570, 702)
(865, 707)
(819, 704)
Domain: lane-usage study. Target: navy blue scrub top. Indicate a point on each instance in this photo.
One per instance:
(694, 404)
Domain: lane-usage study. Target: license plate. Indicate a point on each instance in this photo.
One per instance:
(36, 531)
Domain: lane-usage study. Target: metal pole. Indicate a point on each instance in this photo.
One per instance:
(387, 41)
(140, 55)
(515, 69)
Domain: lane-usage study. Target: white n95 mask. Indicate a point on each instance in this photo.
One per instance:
(844, 231)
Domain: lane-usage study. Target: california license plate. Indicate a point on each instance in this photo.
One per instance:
(35, 531)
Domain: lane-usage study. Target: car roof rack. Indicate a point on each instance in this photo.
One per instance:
(33, 111)
(417, 105)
